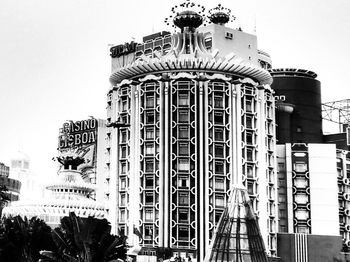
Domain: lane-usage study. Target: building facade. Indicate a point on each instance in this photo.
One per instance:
(312, 171)
(189, 115)
(305, 173)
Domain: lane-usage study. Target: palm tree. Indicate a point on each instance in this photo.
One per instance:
(85, 239)
(22, 239)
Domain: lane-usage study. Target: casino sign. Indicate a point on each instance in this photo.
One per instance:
(77, 134)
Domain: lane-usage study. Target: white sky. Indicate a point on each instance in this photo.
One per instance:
(55, 63)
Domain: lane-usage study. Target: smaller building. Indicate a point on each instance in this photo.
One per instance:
(308, 179)
(70, 193)
(13, 186)
(31, 186)
(4, 170)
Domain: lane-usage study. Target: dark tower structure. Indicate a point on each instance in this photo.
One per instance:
(298, 102)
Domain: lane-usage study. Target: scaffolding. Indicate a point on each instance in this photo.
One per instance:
(237, 237)
(337, 112)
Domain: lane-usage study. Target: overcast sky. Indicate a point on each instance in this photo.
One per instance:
(55, 63)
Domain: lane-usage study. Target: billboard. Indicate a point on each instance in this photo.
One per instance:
(81, 136)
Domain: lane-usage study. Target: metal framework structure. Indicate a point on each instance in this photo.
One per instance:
(237, 237)
(337, 112)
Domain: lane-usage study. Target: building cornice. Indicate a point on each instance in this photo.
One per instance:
(235, 66)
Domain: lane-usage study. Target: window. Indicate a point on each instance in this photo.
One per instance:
(217, 216)
(282, 213)
(148, 214)
(250, 188)
(219, 183)
(249, 122)
(208, 43)
(149, 182)
(303, 229)
(183, 181)
(184, 99)
(123, 136)
(149, 165)
(183, 215)
(184, 165)
(301, 199)
(249, 138)
(300, 182)
(121, 231)
(149, 198)
(219, 201)
(250, 172)
(183, 116)
(124, 150)
(150, 133)
(148, 232)
(149, 101)
(250, 155)
(149, 149)
(123, 167)
(183, 198)
(122, 199)
(219, 167)
(249, 106)
(218, 118)
(228, 35)
(301, 214)
(124, 105)
(282, 198)
(123, 183)
(122, 215)
(219, 150)
(183, 148)
(280, 167)
(218, 101)
(149, 117)
(282, 182)
(219, 134)
(183, 132)
(183, 233)
(300, 166)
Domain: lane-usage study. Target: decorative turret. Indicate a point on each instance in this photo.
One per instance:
(70, 184)
(220, 15)
(70, 161)
(187, 16)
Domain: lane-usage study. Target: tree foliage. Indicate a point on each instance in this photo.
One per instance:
(85, 239)
(22, 239)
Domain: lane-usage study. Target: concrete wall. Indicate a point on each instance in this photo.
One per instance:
(242, 44)
(319, 248)
(323, 189)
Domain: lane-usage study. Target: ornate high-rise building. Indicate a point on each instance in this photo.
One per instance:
(189, 115)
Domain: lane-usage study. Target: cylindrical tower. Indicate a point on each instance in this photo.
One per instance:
(185, 125)
(298, 99)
